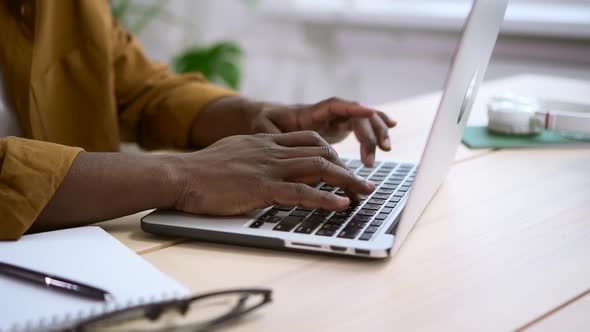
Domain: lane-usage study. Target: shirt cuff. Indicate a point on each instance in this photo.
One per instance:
(30, 173)
(173, 127)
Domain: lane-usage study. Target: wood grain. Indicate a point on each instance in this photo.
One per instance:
(503, 245)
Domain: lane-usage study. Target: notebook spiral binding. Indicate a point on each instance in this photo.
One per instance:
(57, 322)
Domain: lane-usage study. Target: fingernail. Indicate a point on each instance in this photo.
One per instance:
(387, 143)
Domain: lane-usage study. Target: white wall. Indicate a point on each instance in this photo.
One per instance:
(290, 61)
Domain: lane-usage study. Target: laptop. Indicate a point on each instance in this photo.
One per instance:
(377, 225)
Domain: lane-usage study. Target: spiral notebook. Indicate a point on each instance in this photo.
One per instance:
(85, 254)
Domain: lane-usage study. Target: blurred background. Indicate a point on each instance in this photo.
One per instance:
(372, 51)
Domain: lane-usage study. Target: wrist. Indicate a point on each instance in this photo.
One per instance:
(169, 178)
(223, 117)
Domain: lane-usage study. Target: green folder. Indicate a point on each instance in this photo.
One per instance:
(482, 138)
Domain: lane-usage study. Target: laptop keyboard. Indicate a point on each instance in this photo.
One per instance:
(362, 219)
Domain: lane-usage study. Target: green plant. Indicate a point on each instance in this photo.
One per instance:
(219, 62)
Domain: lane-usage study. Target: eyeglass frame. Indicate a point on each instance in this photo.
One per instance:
(153, 311)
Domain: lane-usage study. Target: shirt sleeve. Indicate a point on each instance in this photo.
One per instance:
(30, 173)
(156, 107)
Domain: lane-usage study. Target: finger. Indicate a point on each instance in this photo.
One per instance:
(318, 169)
(364, 133)
(389, 121)
(314, 181)
(299, 194)
(326, 152)
(381, 132)
(334, 108)
(299, 139)
(267, 126)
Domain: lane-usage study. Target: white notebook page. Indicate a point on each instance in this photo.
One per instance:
(85, 254)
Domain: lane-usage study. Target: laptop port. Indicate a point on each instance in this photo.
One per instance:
(362, 252)
(336, 248)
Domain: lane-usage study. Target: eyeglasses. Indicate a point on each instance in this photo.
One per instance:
(198, 313)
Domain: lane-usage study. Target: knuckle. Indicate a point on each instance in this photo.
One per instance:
(351, 177)
(317, 137)
(321, 163)
(326, 196)
(271, 149)
(264, 136)
(371, 141)
(300, 190)
(330, 153)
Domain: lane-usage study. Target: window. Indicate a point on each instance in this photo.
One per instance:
(555, 18)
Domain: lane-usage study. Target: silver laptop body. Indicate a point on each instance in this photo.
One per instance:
(377, 227)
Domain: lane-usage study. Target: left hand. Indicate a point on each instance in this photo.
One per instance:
(332, 118)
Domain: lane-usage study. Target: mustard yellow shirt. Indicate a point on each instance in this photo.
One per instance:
(77, 80)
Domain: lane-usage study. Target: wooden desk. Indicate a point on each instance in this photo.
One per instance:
(504, 245)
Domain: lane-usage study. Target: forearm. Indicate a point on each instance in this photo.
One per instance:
(224, 117)
(102, 186)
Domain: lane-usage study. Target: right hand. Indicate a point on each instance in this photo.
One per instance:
(241, 173)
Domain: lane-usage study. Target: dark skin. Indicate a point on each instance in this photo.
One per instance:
(256, 155)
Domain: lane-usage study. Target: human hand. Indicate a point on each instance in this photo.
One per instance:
(241, 173)
(334, 119)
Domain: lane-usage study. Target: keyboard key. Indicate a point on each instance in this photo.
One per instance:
(356, 224)
(282, 208)
(386, 210)
(315, 220)
(380, 196)
(344, 214)
(389, 165)
(322, 213)
(382, 216)
(273, 220)
(349, 233)
(336, 221)
(376, 222)
(403, 189)
(355, 163)
(323, 232)
(395, 199)
(327, 187)
(374, 207)
(371, 229)
(287, 224)
(366, 236)
(399, 194)
(270, 213)
(306, 228)
(361, 218)
(390, 205)
(365, 212)
(384, 191)
(257, 224)
(376, 201)
(299, 213)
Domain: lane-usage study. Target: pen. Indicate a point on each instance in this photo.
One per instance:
(54, 282)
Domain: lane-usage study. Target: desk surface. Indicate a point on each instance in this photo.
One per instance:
(504, 245)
